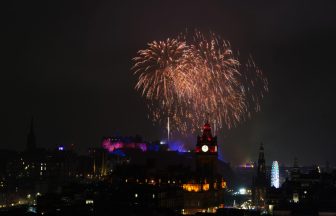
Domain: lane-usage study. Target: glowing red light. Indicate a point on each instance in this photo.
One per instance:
(206, 126)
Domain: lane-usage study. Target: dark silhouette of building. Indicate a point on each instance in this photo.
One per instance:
(259, 187)
(308, 191)
(295, 172)
(155, 179)
(187, 182)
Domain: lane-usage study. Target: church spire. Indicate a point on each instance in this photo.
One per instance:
(260, 182)
(207, 131)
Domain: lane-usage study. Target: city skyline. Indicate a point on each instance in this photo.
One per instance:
(69, 66)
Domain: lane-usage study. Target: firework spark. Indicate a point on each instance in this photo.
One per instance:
(162, 71)
(195, 78)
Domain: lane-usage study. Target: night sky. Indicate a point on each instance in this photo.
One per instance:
(67, 63)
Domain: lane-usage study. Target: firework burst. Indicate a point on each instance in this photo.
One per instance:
(195, 78)
(163, 80)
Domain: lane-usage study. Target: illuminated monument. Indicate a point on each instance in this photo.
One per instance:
(206, 152)
(204, 191)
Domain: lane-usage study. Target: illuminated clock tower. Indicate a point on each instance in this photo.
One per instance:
(206, 153)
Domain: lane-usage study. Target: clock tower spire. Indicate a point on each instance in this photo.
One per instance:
(206, 152)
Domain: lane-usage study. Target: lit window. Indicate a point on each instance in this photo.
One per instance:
(88, 202)
(205, 187)
(242, 191)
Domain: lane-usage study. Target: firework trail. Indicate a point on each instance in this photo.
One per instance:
(196, 77)
(220, 96)
(163, 80)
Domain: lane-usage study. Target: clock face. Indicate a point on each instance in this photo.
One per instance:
(205, 148)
